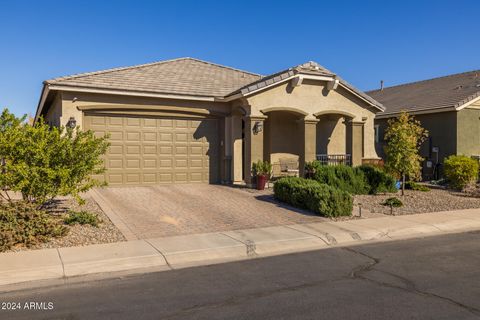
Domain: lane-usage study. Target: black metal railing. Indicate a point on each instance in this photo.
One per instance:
(335, 159)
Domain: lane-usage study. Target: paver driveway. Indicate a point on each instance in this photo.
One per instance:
(159, 211)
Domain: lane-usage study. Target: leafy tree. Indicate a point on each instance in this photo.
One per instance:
(43, 162)
(404, 137)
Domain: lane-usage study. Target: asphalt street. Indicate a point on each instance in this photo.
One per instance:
(429, 278)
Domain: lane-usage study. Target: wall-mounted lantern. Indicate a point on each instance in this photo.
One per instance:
(72, 123)
(257, 127)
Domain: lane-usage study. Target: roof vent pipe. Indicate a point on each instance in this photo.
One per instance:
(381, 84)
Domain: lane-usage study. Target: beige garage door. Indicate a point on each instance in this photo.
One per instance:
(147, 150)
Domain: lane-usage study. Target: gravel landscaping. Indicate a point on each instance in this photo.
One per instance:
(419, 202)
(80, 235)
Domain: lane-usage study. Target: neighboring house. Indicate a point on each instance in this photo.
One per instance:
(448, 107)
(187, 120)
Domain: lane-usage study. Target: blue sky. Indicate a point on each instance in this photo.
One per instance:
(363, 41)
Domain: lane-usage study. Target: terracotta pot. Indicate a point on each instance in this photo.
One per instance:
(261, 181)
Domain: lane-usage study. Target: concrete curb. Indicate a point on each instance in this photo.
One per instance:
(26, 267)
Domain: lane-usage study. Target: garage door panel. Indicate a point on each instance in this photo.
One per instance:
(149, 163)
(166, 123)
(150, 136)
(114, 121)
(150, 178)
(181, 124)
(133, 122)
(115, 178)
(133, 136)
(133, 178)
(181, 163)
(166, 137)
(148, 150)
(116, 135)
(181, 177)
(165, 177)
(149, 123)
(132, 164)
(196, 177)
(166, 163)
(133, 149)
(114, 163)
(115, 149)
(166, 150)
(181, 150)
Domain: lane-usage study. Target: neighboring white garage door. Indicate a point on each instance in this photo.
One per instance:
(147, 150)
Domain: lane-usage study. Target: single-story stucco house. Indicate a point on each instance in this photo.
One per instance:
(187, 120)
(448, 107)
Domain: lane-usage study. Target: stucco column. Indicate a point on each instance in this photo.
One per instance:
(355, 141)
(307, 143)
(236, 149)
(253, 144)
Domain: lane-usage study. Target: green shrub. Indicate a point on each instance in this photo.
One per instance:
(377, 179)
(309, 194)
(461, 171)
(346, 178)
(82, 217)
(43, 162)
(22, 223)
(393, 202)
(412, 185)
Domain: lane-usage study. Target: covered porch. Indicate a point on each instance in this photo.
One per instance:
(288, 138)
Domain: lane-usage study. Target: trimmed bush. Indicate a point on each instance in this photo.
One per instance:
(21, 223)
(377, 179)
(393, 202)
(317, 197)
(461, 171)
(412, 185)
(346, 178)
(82, 217)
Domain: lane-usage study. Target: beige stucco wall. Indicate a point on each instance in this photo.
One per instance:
(468, 131)
(331, 135)
(72, 102)
(281, 137)
(54, 113)
(311, 98)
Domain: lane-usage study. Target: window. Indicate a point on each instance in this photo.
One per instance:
(377, 133)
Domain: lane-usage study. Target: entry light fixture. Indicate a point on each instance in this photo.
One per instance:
(257, 127)
(72, 123)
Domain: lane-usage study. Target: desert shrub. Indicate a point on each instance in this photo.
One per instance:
(412, 185)
(393, 202)
(21, 223)
(460, 171)
(43, 162)
(82, 217)
(317, 197)
(377, 179)
(346, 178)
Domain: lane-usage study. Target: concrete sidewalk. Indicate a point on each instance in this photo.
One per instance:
(203, 249)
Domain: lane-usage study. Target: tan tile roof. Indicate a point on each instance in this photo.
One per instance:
(184, 76)
(449, 91)
(192, 77)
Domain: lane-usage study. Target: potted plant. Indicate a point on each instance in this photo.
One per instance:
(261, 171)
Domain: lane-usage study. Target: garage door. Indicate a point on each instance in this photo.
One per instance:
(147, 150)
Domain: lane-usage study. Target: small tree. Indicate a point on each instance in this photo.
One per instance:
(43, 162)
(404, 137)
